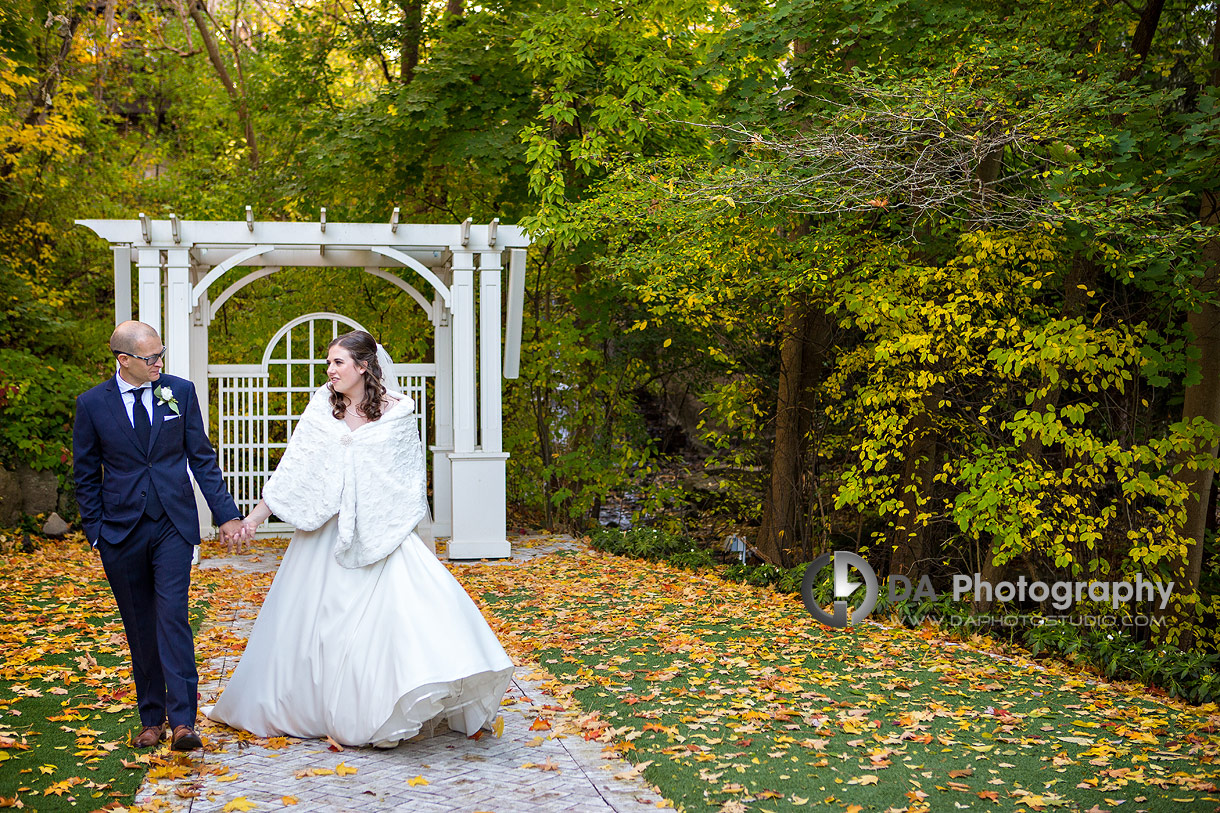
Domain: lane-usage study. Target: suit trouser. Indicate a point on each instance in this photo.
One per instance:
(150, 575)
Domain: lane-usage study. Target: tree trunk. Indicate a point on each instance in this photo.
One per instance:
(782, 502)
(238, 99)
(1141, 43)
(1201, 400)
(103, 69)
(806, 339)
(412, 32)
(909, 542)
(819, 333)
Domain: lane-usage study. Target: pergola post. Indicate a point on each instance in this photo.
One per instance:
(442, 402)
(122, 283)
(149, 265)
(490, 407)
(479, 511)
(178, 308)
(462, 321)
(198, 329)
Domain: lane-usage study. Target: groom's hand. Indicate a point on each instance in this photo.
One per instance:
(230, 531)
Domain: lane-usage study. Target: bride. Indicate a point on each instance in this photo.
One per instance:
(364, 636)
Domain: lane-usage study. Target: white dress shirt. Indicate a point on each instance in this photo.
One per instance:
(129, 398)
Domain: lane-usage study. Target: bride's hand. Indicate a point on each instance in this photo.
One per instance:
(249, 526)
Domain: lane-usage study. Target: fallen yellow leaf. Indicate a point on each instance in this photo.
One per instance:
(419, 780)
(241, 804)
(288, 800)
(343, 769)
(304, 772)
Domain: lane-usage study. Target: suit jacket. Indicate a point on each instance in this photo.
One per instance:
(113, 474)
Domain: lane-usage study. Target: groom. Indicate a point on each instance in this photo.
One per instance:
(135, 436)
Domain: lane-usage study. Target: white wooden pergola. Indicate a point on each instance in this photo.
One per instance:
(178, 261)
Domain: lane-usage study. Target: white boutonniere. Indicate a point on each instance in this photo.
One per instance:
(166, 396)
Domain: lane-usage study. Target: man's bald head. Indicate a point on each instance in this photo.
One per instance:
(128, 335)
(133, 343)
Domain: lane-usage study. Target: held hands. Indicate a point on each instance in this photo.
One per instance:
(248, 527)
(234, 535)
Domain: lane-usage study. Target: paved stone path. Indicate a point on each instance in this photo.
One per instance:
(442, 774)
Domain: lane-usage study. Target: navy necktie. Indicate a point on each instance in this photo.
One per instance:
(139, 418)
(143, 426)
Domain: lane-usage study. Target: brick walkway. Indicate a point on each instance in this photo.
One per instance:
(440, 774)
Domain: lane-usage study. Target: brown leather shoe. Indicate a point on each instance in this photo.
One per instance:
(149, 736)
(185, 739)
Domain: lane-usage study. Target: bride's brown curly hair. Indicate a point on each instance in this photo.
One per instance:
(363, 349)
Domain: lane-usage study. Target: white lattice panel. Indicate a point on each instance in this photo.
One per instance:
(257, 406)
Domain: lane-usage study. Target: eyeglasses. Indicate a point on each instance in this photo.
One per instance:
(149, 360)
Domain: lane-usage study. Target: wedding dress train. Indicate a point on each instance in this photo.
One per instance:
(365, 655)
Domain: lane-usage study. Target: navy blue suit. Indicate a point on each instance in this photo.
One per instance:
(148, 560)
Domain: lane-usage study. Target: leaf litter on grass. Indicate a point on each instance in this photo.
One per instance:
(726, 696)
(737, 698)
(67, 703)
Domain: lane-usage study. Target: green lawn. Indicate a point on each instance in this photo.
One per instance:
(731, 697)
(67, 704)
(735, 697)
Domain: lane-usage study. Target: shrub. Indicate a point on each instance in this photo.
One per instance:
(652, 544)
(692, 559)
(37, 407)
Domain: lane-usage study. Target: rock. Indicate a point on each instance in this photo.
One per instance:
(55, 526)
(10, 499)
(39, 491)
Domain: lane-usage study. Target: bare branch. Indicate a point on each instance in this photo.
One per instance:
(890, 152)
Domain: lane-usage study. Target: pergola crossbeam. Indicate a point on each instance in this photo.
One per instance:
(337, 235)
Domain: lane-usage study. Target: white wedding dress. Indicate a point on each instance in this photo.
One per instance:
(365, 655)
(371, 653)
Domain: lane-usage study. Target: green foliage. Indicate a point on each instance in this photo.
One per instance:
(37, 407)
(613, 79)
(1004, 358)
(1116, 655)
(652, 544)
